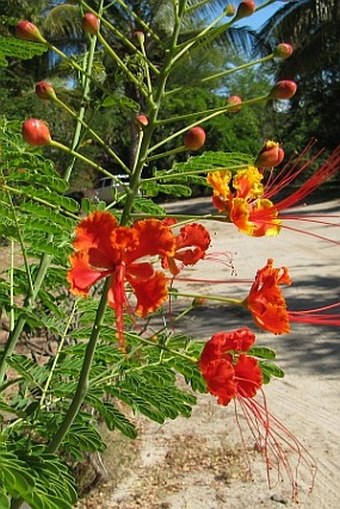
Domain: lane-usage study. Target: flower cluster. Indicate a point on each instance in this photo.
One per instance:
(241, 196)
(104, 249)
(227, 369)
(245, 195)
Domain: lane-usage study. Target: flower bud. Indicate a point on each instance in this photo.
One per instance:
(28, 31)
(283, 50)
(45, 91)
(245, 9)
(284, 89)
(194, 139)
(142, 120)
(271, 155)
(198, 302)
(140, 36)
(90, 23)
(235, 101)
(230, 10)
(35, 132)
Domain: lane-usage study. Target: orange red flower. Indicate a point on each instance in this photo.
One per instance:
(227, 370)
(241, 197)
(247, 201)
(105, 249)
(265, 300)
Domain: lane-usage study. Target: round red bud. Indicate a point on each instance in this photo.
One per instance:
(194, 139)
(245, 9)
(142, 120)
(36, 132)
(29, 31)
(90, 23)
(271, 155)
(283, 50)
(284, 89)
(235, 101)
(45, 91)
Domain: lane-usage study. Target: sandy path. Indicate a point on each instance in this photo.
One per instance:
(307, 400)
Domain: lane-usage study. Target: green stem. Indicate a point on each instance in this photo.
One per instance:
(238, 68)
(148, 132)
(122, 37)
(121, 64)
(186, 46)
(83, 382)
(214, 113)
(11, 282)
(20, 192)
(141, 23)
(192, 172)
(217, 298)
(93, 133)
(172, 152)
(78, 155)
(23, 250)
(56, 358)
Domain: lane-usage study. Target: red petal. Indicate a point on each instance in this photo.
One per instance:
(94, 234)
(192, 243)
(150, 293)
(220, 378)
(155, 238)
(248, 376)
(239, 340)
(82, 276)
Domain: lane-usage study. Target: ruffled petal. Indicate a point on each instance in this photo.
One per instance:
(151, 293)
(266, 301)
(219, 375)
(192, 243)
(94, 235)
(239, 340)
(155, 238)
(82, 276)
(248, 376)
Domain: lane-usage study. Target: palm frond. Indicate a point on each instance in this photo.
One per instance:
(64, 22)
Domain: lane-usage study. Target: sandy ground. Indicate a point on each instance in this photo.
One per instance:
(201, 463)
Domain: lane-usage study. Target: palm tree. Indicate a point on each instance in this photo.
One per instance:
(312, 27)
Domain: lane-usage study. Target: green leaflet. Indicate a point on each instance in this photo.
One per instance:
(153, 189)
(269, 370)
(208, 161)
(18, 48)
(262, 352)
(148, 207)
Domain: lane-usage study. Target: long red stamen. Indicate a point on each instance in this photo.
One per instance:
(324, 173)
(317, 315)
(275, 442)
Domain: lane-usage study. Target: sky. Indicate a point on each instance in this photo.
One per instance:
(257, 19)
